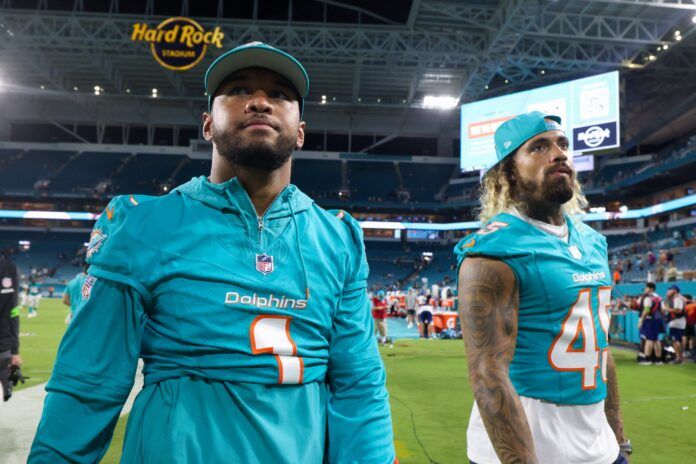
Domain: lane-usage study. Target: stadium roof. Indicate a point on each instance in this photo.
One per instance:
(374, 61)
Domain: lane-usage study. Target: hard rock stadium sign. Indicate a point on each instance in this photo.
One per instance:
(177, 43)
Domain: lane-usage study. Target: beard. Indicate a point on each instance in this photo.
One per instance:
(253, 154)
(553, 190)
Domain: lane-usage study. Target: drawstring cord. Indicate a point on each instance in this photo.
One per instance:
(299, 245)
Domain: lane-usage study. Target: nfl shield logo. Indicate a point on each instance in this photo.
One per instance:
(87, 287)
(264, 264)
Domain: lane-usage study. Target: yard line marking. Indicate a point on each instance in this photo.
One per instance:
(660, 398)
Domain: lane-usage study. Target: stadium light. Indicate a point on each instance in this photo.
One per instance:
(440, 102)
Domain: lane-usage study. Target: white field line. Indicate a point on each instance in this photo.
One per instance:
(20, 416)
(659, 398)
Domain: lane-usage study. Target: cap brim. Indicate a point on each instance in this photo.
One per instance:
(553, 118)
(257, 57)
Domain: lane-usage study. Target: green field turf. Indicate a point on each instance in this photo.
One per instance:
(431, 398)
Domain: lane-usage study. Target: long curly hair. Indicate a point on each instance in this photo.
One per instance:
(496, 192)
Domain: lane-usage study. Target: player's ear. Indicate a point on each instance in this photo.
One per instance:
(208, 126)
(300, 136)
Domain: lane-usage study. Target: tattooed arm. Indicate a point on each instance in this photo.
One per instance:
(488, 302)
(612, 406)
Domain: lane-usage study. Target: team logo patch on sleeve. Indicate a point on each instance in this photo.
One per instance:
(87, 287)
(469, 244)
(264, 264)
(96, 240)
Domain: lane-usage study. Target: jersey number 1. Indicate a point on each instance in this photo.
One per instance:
(565, 356)
(271, 335)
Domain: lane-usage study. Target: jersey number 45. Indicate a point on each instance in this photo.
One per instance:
(564, 355)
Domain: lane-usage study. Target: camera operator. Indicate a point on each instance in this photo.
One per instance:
(9, 322)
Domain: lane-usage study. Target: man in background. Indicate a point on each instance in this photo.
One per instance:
(34, 298)
(690, 332)
(379, 314)
(72, 295)
(425, 315)
(9, 322)
(411, 302)
(674, 306)
(650, 324)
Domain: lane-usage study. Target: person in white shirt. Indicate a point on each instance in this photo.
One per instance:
(425, 315)
(411, 302)
(674, 305)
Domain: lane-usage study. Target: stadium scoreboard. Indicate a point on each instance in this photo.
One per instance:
(588, 107)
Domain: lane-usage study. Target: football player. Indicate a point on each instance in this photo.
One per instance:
(246, 301)
(534, 290)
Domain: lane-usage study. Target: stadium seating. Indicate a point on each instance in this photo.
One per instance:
(317, 178)
(143, 173)
(467, 191)
(372, 181)
(193, 168)
(85, 171)
(22, 172)
(55, 256)
(610, 172)
(424, 181)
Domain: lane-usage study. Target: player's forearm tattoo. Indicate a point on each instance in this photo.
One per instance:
(488, 310)
(612, 404)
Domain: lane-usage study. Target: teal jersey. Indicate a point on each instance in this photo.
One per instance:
(74, 290)
(564, 296)
(255, 333)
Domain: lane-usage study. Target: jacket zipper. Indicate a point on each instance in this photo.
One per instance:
(260, 229)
